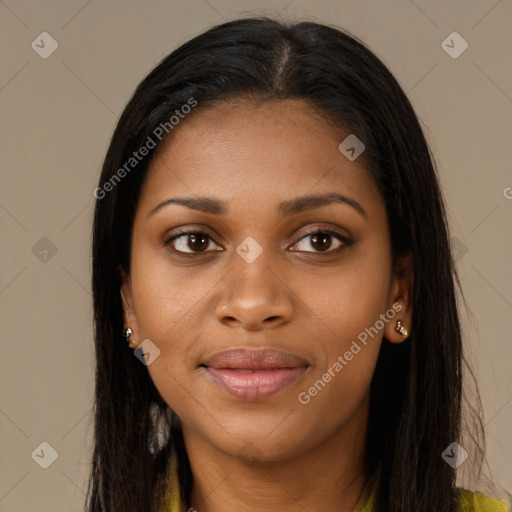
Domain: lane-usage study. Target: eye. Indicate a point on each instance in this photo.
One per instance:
(191, 242)
(322, 240)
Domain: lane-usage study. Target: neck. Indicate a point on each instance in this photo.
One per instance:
(328, 478)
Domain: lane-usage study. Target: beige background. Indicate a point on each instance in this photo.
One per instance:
(57, 116)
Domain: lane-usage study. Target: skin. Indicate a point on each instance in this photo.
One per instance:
(275, 454)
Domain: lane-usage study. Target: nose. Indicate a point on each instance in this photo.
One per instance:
(254, 297)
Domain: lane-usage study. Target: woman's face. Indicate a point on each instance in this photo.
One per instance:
(268, 333)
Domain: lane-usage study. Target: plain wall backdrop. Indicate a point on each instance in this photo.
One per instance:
(67, 70)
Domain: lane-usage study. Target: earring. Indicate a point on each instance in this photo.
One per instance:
(127, 335)
(400, 327)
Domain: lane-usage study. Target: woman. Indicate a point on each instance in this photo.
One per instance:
(270, 239)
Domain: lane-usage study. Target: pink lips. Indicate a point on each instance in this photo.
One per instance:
(254, 374)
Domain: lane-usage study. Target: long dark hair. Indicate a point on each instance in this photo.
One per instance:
(416, 392)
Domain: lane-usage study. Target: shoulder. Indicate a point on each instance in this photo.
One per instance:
(468, 501)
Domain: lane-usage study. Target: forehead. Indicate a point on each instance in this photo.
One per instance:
(256, 154)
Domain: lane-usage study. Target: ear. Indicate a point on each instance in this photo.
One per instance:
(129, 317)
(400, 298)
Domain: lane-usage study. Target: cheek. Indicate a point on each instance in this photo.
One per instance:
(348, 306)
(172, 306)
(166, 297)
(350, 299)
(350, 347)
(337, 390)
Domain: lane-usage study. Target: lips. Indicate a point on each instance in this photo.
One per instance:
(254, 374)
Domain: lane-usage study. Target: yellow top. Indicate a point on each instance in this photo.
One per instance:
(467, 501)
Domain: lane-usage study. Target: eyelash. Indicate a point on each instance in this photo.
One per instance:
(346, 242)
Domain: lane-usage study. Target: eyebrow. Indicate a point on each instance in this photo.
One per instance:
(286, 208)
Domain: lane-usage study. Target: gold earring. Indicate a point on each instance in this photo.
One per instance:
(127, 335)
(400, 327)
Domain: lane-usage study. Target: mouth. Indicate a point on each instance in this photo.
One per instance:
(254, 375)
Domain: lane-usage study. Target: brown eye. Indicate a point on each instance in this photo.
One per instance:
(198, 242)
(319, 241)
(191, 242)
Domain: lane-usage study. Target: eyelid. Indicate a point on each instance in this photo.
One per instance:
(325, 229)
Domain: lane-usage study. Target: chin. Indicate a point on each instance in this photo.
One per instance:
(260, 438)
